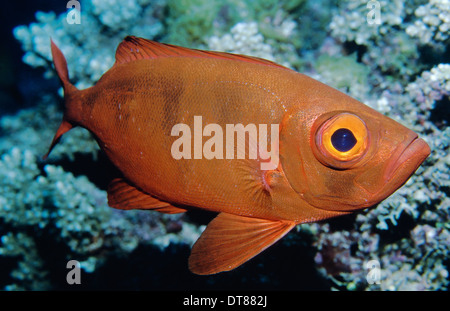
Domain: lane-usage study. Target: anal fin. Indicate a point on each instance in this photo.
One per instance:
(230, 240)
(122, 195)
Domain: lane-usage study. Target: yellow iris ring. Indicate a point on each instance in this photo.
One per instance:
(347, 121)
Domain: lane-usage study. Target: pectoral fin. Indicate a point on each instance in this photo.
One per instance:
(230, 240)
(122, 195)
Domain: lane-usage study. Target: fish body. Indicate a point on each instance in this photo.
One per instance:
(134, 110)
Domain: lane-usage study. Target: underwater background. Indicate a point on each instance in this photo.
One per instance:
(392, 55)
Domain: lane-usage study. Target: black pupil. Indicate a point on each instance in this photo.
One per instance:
(343, 140)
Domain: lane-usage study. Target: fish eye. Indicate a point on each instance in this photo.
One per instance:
(341, 140)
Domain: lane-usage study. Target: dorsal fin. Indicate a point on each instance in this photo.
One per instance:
(134, 48)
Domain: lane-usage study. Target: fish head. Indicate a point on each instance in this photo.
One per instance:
(347, 156)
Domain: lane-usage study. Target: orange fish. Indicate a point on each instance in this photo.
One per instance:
(160, 115)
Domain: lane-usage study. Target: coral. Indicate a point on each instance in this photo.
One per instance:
(243, 39)
(403, 56)
(76, 211)
(350, 23)
(431, 86)
(30, 272)
(116, 14)
(34, 128)
(251, 22)
(88, 47)
(415, 263)
(189, 21)
(344, 73)
(433, 22)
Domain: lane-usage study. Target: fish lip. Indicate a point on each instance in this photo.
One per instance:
(409, 159)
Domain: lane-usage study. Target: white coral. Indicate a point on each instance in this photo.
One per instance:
(350, 23)
(431, 85)
(116, 13)
(243, 39)
(89, 47)
(433, 22)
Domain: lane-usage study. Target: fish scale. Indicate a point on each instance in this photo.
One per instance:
(134, 109)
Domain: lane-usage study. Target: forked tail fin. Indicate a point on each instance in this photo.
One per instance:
(72, 105)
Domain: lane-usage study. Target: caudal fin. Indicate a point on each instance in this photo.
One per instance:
(71, 109)
(63, 128)
(60, 64)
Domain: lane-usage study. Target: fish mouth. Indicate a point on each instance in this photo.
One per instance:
(405, 161)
